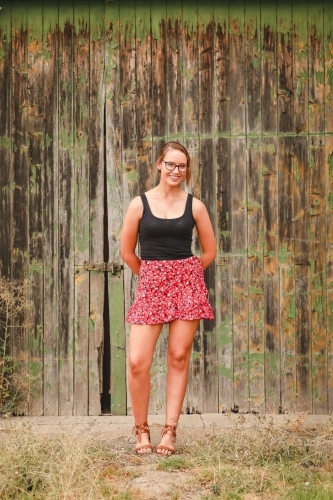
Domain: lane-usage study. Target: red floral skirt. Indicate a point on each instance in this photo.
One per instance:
(168, 290)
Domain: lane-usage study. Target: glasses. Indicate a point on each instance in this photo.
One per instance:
(169, 165)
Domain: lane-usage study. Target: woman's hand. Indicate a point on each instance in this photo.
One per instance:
(205, 233)
(129, 235)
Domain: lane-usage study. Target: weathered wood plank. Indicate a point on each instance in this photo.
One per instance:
(144, 112)
(20, 173)
(287, 273)
(269, 79)
(159, 75)
(300, 68)
(222, 70)
(328, 54)
(271, 276)
(207, 179)
(118, 344)
(6, 185)
(159, 137)
(255, 276)
(174, 56)
(252, 68)
(51, 217)
(97, 175)
(114, 173)
(130, 175)
(329, 264)
(240, 274)
(66, 209)
(237, 67)
(35, 340)
(302, 273)
(190, 64)
(223, 292)
(81, 218)
(328, 48)
(285, 68)
(224, 303)
(317, 237)
(81, 352)
(36, 114)
(316, 67)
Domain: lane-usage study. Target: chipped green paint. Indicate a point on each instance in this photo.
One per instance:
(225, 371)
(330, 164)
(330, 200)
(195, 355)
(9, 188)
(6, 143)
(255, 291)
(292, 308)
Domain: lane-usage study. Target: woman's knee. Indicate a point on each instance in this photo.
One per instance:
(138, 365)
(178, 360)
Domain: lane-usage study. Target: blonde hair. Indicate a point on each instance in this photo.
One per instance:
(176, 145)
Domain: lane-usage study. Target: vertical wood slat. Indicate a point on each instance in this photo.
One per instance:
(317, 237)
(66, 210)
(190, 87)
(316, 68)
(81, 190)
(285, 67)
(271, 276)
(130, 182)
(51, 217)
(329, 265)
(36, 114)
(270, 207)
(223, 293)
(255, 277)
(159, 132)
(96, 195)
(300, 69)
(207, 179)
(114, 192)
(302, 273)
(254, 209)
(328, 54)
(118, 344)
(20, 175)
(6, 185)
(239, 212)
(287, 273)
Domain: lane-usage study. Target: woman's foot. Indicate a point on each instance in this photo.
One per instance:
(167, 445)
(143, 446)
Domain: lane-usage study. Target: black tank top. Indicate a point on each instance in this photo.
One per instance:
(166, 239)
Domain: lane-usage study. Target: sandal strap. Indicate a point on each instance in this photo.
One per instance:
(171, 430)
(139, 429)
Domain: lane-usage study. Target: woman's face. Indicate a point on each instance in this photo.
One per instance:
(174, 177)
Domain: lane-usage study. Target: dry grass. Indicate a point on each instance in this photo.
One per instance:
(264, 462)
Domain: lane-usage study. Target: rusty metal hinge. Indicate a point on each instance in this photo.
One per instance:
(104, 267)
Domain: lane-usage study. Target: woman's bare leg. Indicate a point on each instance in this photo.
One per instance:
(142, 342)
(181, 335)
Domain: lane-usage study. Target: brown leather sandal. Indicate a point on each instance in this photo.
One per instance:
(168, 429)
(142, 429)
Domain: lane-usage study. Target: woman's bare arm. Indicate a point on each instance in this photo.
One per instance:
(205, 233)
(129, 235)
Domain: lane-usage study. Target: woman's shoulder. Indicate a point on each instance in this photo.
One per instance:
(136, 206)
(198, 207)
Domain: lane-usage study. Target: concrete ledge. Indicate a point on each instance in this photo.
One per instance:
(115, 426)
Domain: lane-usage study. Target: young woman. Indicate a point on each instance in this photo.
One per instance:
(171, 287)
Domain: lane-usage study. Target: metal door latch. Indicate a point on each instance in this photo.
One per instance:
(104, 267)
